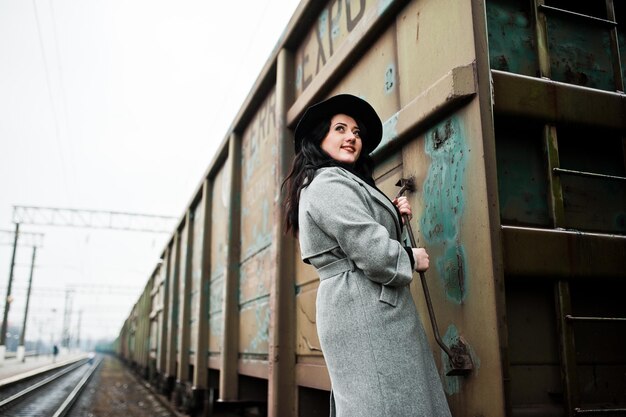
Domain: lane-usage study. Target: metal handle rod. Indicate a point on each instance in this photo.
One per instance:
(429, 304)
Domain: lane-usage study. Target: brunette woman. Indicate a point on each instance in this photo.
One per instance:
(377, 354)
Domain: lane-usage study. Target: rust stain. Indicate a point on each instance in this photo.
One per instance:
(439, 138)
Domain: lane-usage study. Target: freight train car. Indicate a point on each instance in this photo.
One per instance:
(133, 344)
(510, 116)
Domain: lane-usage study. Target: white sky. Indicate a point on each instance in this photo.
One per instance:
(114, 105)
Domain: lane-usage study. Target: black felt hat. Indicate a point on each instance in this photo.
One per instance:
(342, 104)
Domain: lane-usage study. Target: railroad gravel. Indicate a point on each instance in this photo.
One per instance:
(114, 391)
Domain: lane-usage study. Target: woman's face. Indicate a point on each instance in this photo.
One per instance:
(343, 140)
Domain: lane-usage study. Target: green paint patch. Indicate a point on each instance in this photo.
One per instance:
(580, 54)
(522, 181)
(511, 37)
(444, 203)
(390, 79)
(451, 384)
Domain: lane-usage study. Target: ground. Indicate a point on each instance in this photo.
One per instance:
(114, 391)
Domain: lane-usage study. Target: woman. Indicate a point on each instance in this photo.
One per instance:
(376, 352)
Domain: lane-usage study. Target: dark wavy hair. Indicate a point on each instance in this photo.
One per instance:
(309, 159)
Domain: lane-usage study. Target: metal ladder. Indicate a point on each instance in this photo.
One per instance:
(565, 327)
(566, 321)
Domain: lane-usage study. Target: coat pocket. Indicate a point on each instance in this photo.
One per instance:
(389, 295)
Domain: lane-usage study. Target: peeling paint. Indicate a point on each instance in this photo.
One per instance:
(255, 321)
(444, 204)
(261, 338)
(453, 384)
(450, 267)
(216, 295)
(261, 232)
(390, 79)
(390, 130)
(218, 266)
(511, 38)
(258, 180)
(323, 23)
(383, 5)
(299, 72)
(335, 24)
(580, 54)
(216, 330)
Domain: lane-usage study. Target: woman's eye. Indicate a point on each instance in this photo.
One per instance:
(357, 133)
(339, 129)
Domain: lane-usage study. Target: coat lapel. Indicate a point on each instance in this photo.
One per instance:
(382, 199)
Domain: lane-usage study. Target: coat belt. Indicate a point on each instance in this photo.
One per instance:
(335, 268)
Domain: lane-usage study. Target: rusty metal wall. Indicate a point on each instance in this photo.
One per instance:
(561, 171)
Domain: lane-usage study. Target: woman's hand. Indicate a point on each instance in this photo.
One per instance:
(422, 261)
(402, 203)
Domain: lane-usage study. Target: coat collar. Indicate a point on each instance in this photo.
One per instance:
(381, 198)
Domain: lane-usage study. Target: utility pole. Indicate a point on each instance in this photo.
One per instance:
(21, 349)
(67, 315)
(7, 301)
(80, 316)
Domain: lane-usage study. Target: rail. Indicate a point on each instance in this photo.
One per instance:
(39, 387)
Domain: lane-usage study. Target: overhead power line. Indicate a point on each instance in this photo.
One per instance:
(88, 289)
(57, 128)
(94, 219)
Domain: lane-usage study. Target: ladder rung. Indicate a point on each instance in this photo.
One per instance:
(587, 174)
(599, 319)
(594, 411)
(606, 22)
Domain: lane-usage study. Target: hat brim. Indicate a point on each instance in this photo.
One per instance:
(341, 104)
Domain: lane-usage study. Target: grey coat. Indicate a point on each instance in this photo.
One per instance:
(376, 351)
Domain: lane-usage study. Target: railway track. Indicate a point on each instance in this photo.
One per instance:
(50, 395)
